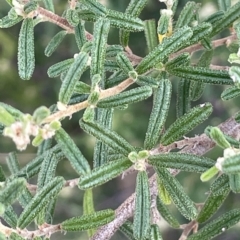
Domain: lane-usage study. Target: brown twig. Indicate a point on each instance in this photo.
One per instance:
(69, 183)
(79, 106)
(46, 230)
(187, 228)
(199, 146)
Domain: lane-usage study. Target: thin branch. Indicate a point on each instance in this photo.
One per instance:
(55, 19)
(198, 46)
(79, 106)
(216, 67)
(47, 230)
(199, 146)
(187, 229)
(69, 183)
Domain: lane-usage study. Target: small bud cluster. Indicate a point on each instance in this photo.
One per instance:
(21, 131)
(139, 159)
(169, 3)
(19, 9)
(228, 152)
(167, 12)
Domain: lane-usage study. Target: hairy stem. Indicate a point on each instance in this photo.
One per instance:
(79, 106)
(199, 146)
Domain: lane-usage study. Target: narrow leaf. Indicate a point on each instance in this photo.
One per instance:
(217, 226)
(95, 7)
(60, 67)
(182, 161)
(182, 59)
(155, 233)
(74, 73)
(7, 22)
(186, 123)
(148, 81)
(230, 93)
(12, 162)
(209, 174)
(231, 165)
(111, 138)
(88, 207)
(127, 97)
(220, 185)
(200, 32)
(12, 191)
(26, 58)
(127, 229)
(6, 118)
(13, 111)
(101, 150)
(72, 17)
(39, 201)
(183, 203)
(163, 25)
(163, 50)
(215, 18)
(100, 35)
(54, 43)
(224, 5)
(116, 78)
(134, 8)
(165, 213)
(197, 88)
(219, 138)
(47, 170)
(163, 193)
(113, 50)
(15, 236)
(104, 173)
(161, 103)
(211, 205)
(141, 220)
(25, 197)
(48, 4)
(10, 217)
(44, 146)
(90, 221)
(72, 153)
(187, 14)
(125, 21)
(33, 167)
(231, 15)
(150, 34)
(80, 36)
(234, 182)
(202, 75)
(183, 97)
(82, 88)
(30, 6)
(124, 63)
(2, 175)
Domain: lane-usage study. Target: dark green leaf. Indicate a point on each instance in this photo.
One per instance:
(186, 123)
(90, 221)
(104, 173)
(141, 220)
(182, 161)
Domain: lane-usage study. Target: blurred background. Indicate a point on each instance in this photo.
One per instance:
(130, 123)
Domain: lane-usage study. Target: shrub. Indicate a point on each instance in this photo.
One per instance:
(118, 79)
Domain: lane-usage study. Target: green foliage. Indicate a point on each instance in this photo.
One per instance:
(102, 80)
